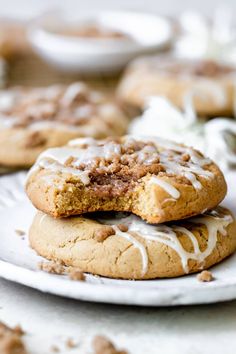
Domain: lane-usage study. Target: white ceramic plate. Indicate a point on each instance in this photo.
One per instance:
(72, 54)
(19, 263)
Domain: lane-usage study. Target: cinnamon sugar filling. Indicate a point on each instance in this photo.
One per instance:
(119, 174)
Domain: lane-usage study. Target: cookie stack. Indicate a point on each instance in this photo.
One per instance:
(130, 207)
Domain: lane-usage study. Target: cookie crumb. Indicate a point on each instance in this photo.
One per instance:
(70, 344)
(205, 276)
(104, 232)
(76, 274)
(10, 340)
(55, 349)
(103, 345)
(122, 227)
(69, 161)
(20, 232)
(185, 157)
(51, 267)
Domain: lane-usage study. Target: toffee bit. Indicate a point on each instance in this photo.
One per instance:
(69, 161)
(103, 345)
(20, 232)
(10, 340)
(122, 227)
(76, 274)
(104, 232)
(185, 157)
(205, 276)
(51, 267)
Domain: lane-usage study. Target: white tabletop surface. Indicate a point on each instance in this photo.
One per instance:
(51, 320)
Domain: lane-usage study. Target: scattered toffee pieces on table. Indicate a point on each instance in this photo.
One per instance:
(10, 340)
(102, 345)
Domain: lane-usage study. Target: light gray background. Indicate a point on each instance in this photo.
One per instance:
(48, 319)
(27, 8)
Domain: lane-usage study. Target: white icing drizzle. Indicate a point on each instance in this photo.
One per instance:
(43, 217)
(137, 245)
(166, 186)
(189, 171)
(54, 166)
(215, 222)
(168, 153)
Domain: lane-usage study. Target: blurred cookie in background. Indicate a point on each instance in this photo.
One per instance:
(209, 83)
(34, 119)
(13, 38)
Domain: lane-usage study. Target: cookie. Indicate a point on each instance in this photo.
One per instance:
(32, 120)
(209, 84)
(153, 178)
(124, 246)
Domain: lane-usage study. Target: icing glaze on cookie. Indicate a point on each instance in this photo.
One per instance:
(172, 191)
(170, 158)
(215, 221)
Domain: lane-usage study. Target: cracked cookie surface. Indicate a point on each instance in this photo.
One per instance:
(153, 178)
(208, 84)
(132, 249)
(34, 119)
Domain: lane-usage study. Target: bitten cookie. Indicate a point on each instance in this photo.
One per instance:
(153, 178)
(32, 120)
(124, 246)
(209, 84)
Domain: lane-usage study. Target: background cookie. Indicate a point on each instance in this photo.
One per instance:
(33, 120)
(120, 246)
(151, 177)
(210, 85)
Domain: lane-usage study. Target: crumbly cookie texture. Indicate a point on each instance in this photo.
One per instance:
(143, 251)
(10, 340)
(153, 178)
(32, 120)
(209, 84)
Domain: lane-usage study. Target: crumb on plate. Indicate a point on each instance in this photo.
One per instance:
(205, 276)
(51, 267)
(103, 345)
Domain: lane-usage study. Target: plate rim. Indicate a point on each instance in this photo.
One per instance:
(201, 293)
(151, 296)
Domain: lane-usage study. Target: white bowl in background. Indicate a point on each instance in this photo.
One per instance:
(146, 33)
